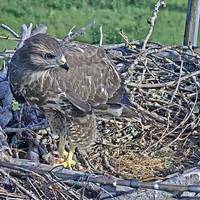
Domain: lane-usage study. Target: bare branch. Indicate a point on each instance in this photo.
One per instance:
(101, 36)
(166, 84)
(25, 34)
(160, 3)
(65, 174)
(8, 38)
(32, 196)
(15, 130)
(178, 83)
(78, 33)
(41, 28)
(7, 28)
(71, 31)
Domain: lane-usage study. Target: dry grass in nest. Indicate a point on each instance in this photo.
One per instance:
(140, 166)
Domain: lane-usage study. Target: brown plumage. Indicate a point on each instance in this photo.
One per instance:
(69, 89)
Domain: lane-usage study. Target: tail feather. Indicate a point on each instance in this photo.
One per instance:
(119, 106)
(129, 112)
(119, 110)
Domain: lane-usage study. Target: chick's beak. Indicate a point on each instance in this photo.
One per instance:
(63, 63)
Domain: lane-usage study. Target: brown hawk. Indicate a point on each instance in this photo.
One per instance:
(69, 82)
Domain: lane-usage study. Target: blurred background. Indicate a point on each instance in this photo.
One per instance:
(129, 15)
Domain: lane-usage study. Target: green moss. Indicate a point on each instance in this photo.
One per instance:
(15, 105)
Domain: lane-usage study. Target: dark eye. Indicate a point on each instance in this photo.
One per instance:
(49, 56)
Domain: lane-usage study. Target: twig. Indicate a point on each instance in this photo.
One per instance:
(125, 38)
(70, 31)
(178, 126)
(35, 189)
(159, 4)
(185, 119)
(30, 194)
(20, 119)
(8, 38)
(107, 164)
(166, 84)
(25, 34)
(80, 32)
(115, 46)
(11, 196)
(152, 114)
(7, 28)
(178, 83)
(101, 36)
(36, 127)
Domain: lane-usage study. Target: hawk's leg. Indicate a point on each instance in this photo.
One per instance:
(61, 145)
(83, 134)
(68, 161)
(60, 126)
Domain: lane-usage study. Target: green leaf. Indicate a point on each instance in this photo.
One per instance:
(15, 105)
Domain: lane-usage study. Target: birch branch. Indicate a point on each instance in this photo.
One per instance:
(160, 3)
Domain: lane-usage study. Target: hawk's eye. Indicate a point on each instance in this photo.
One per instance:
(49, 56)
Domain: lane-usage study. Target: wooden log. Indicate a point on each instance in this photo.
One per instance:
(192, 23)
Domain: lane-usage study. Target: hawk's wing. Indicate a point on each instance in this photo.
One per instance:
(91, 79)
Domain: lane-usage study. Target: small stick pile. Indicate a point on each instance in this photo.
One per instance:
(163, 83)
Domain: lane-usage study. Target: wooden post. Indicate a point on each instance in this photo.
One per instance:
(192, 23)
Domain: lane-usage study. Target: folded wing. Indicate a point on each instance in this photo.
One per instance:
(92, 79)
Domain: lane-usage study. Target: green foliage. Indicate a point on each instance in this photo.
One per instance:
(113, 15)
(15, 105)
(1, 64)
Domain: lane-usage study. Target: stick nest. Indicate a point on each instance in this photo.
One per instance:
(163, 83)
(162, 133)
(161, 136)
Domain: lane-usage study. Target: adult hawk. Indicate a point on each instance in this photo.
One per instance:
(69, 82)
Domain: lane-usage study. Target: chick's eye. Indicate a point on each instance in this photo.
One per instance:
(49, 56)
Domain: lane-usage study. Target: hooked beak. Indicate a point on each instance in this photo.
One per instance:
(63, 63)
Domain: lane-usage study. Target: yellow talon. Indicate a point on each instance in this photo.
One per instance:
(66, 157)
(68, 161)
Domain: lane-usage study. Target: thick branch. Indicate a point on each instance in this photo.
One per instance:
(65, 174)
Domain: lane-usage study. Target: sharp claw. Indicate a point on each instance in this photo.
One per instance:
(67, 158)
(68, 161)
(69, 164)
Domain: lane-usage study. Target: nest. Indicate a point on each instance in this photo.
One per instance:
(163, 83)
(160, 137)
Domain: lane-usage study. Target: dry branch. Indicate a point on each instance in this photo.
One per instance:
(160, 3)
(63, 175)
(166, 84)
(101, 36)
(31, 195)
(33, 128)
(10, 30)
(73, 35)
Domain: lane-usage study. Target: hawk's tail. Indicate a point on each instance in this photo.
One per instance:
(121, 110)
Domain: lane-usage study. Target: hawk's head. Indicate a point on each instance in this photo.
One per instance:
(40, 52)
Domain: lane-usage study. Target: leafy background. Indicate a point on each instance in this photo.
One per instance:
(113, 15)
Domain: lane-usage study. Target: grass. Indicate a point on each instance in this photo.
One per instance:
(113, 15)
